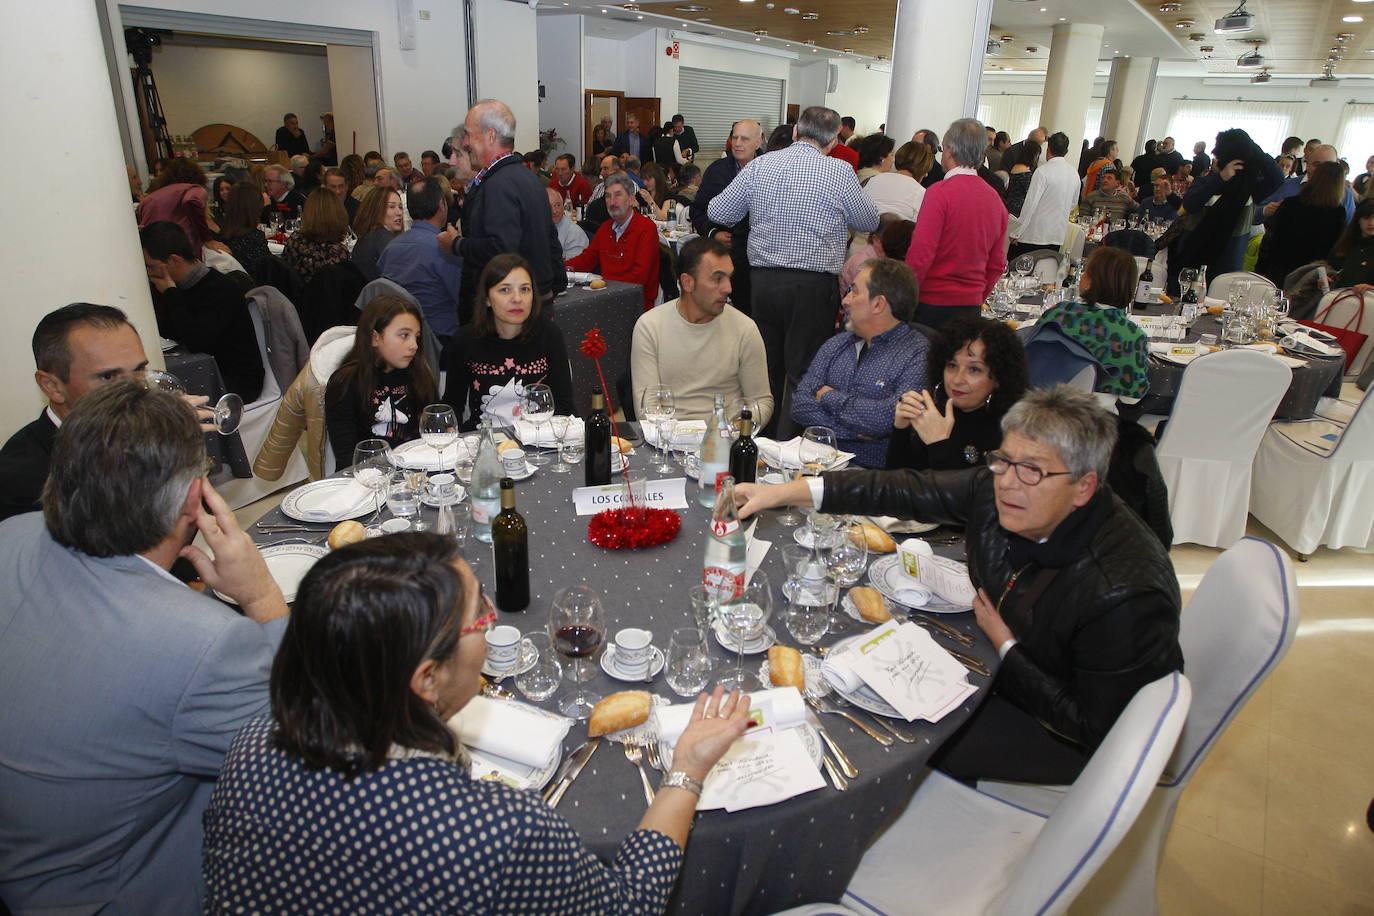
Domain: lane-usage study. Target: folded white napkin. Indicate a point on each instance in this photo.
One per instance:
(1305, 340)
(776, 708)
(921, 570)
(543, 437)
(686, 433)
(894, 525)
(339, 503)
(418, 455)
(510, 729)
(576, 276)
(788, 454)
(836, 670)
(908, 669)
(275, 248)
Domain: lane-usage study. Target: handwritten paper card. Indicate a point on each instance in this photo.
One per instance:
(670, 493)
(904, 665)
(946, 578)
(761, 770)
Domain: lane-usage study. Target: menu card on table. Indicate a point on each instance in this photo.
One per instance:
(904, 665)
(760, 770)
(950, 582)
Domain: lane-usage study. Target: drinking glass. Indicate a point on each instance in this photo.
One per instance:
(577, 627)
(573, 452)
(537, 407)
(817, 450)
(372, 468)
(806, 620)
(439, 429)
(462, 524)
(403, 499)
(781, 473)
(746, 613)
(655, 406)
(848, 559)
(228, 410)
(543, 677)
(704, 603)
(737, 407)
(1022, 267)
(560, 432)
(465, 457)
(689, 662)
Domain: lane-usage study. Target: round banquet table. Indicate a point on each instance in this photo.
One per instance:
(755, 861)
(199, 373)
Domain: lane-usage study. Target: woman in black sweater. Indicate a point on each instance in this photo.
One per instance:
(380, 389)
(1304, 228)
(977, 370)
(1353, 255)
(508, 339)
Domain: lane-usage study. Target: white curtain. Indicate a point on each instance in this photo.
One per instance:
(1018, 115)
(1355, 136)
(1267, 123)
(1092, 124)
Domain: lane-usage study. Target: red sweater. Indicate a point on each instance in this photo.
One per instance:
(959, 248)
(848, 155)
(633, 258)
(577, 193)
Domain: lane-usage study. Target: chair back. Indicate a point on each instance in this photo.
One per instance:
(287, 350)
(1220, 286)
(1054, 358)
(271, 270)
(1345, 312)
(1358, 439)
(1085, 379)
(327, 300)
(271, 389)
(384, 287)
(1103, 802)
(1224, 404)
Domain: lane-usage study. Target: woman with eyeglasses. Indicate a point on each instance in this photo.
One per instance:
(354, 796)
(1076, 593)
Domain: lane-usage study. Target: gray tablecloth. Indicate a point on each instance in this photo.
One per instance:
(757, 861)
(614, 310)
(200, 375)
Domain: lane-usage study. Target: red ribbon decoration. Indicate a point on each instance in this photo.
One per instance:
(593, 347)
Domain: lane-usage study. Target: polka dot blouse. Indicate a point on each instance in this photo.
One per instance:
(417, 836)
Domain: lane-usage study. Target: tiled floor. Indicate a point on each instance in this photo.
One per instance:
(1274, 821)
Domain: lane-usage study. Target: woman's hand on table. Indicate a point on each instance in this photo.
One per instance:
(931, 425)
(716, 722)
(752, 498)
(236, 568)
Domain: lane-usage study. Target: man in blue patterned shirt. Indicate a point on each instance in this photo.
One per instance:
(801, 204)
(858, 375)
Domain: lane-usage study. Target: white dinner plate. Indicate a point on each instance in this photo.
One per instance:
(418, 455)
(864, 696)
(304, 503)
(608, 665)
(288, 564)
(888, 577)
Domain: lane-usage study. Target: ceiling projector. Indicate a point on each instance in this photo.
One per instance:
(1235, 22)
(1251, 60)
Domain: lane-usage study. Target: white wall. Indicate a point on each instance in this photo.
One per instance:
(861, 94)
(248, 88)
(806, 83)
(560, 70)
(354, 94)
(507, 46)
(603, 64)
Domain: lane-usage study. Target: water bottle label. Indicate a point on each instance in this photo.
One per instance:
(722, 527)
(725, 584)
(720, 479)
(482, 510)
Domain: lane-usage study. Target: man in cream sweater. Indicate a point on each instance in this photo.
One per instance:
(699, 345)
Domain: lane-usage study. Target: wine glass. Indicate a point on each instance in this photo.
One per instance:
(439, 429)
(560, 432)
(536, 406)
(403, 498)
(848, 557)
(228, 410)
(540, 681)
(817, 450)
(577, 627)
(780, 472)
(1022, 267)
(746, 616)
(656, 406)
(372, 468)
(737, 408)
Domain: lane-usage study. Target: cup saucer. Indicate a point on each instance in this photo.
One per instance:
(608, 665)
(528, 656)
(753, 646)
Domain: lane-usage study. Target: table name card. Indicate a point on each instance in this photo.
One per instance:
(658, 494)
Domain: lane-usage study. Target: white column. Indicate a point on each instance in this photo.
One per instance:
(937, 64)
(71, 236)
(1074, 49)
(1129, 95)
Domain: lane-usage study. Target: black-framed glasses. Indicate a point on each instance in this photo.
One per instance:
(1027, 473)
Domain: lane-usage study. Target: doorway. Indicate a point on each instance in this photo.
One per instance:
(598, 104)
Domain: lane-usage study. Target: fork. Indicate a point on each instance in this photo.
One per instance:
(654, 760)
(821, 704)
(843, 703)
(635, 756)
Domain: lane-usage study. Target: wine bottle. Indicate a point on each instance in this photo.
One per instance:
(1147, 279)
(715, 454)
(486, 484)
(744, 454)
(510, 539)
(726, 551)
(597, 437)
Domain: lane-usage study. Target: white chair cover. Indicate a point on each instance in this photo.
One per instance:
(1220, 287)
(1343, 312)
(958, 850)
(1310, 499)
(1224, 405)
(1074, 240)
(1235, 631)
(1046, 265)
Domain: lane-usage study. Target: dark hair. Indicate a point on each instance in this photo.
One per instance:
(1030, 154)
(568, 158)
(146, 447)
(1290, 143)
(896, 238)
(323, 218)
(397, 157)
(50, 350)
(361, 364)
(687, 174)
(1111, 274)
(372, 154)
(780, 138)
(1107, 145)
(218, 183)
(287, 117)
(366, 616)
(894, 281)
(873, 149)
(497, 269)
(929, 138)
(372, 210)
(1058, 143)
(536, 157)
(179, 170)
(1002, 351)
(1001, 137)
(353, 169)
(429, 154)
(241, 211)
(655, 171)
(1325, 185)
(695, 251)
(676, 118)
(423, 198)
(847, 121)
(1349, 240)
(165, 238)
(1150, 147)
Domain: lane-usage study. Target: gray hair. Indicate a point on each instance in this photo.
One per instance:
(299, 162)
(967, 142)
(144, 447)
(493, 114)
(820, 125)
(283, 174)
(624, 180)
(1069, 421)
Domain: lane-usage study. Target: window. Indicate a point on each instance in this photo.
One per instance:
(1355, 137)
(1018, 115)
(1267, 123)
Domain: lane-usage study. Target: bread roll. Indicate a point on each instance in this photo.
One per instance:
(349, 532)
(622, 444)
(876, 539)
(618, 711)
(598, 283)
(506, 445)
(872, 607)
(785, 668)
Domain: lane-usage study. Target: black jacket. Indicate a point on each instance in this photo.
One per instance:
(508, 211)
(211, 317)
(715, 179)
(1106, 623)
(24, 463)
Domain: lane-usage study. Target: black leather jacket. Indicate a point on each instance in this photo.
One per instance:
(1104, 626)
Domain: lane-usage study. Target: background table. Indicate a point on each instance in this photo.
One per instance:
(199, 373)
(757, 861)
(614, 310)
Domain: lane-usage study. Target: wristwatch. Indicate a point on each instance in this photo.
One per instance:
(680, 780)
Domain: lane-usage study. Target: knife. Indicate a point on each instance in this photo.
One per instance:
(586, 752)
(563, 769)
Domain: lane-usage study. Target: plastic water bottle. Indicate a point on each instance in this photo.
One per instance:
(726, 550)
(715, 454)
(486, 485)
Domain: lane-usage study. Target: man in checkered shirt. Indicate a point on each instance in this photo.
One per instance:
(801, 204)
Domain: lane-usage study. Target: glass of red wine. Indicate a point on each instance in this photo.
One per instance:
(577, 628)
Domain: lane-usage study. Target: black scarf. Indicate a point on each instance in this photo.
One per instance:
(1068, 541)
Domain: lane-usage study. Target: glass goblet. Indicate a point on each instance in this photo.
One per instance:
(745, 617)
(560, 427)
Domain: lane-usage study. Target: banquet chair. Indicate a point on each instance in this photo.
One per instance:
(1046, 264)
(1074, 240)
(1220, 286)
(1310, 497)
(958, 850)
(1224, 404)
(384, 287)
(1234, 632)
(1345, 310)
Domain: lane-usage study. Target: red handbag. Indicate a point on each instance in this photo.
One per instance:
(1347, 337)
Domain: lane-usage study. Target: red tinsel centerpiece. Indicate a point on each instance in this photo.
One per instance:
(632, 529)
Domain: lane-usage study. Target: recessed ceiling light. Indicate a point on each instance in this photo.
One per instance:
(860, 30)
(811, 16)
(1061, 19)
(791, 10)
(760, 31)
(691, 8)
(839, 32)
(1352, 19)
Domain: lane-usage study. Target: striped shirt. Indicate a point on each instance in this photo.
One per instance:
(801, 205)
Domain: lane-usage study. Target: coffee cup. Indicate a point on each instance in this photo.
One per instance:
(503, 648)
(633, 649)
(513, 460)
(441, 486)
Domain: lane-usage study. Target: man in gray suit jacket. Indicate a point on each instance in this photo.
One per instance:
(121, 688)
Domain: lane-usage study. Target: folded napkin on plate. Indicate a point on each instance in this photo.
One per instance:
(543, 436)
(1304, 340)
(788, 454)
(511, 730)
(921, 570)
(686, 433)
(776, 708)
(419, 455)
(893, 525)
(339, 502)
(907, 668)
